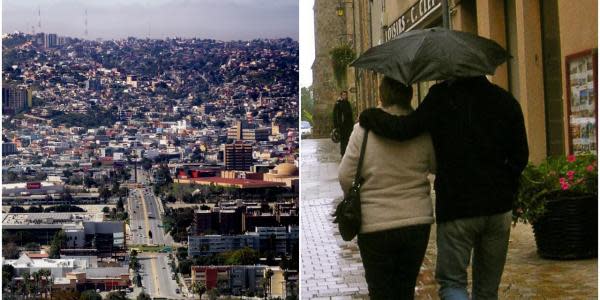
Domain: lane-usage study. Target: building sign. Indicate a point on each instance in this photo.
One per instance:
(34, 185)
(582, 101)
(412, 17)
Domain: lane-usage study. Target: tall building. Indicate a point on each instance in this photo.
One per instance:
(93, 84)
(50, 40)
(238, 156)
(15, 99)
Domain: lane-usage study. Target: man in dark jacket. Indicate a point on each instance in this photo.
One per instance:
(480, 143)
(343, 120)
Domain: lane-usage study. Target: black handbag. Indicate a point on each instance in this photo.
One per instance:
(335, 135)
(348, 212)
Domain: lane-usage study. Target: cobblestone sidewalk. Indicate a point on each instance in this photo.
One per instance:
(332, 268)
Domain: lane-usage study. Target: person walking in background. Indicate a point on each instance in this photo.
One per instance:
(480, 143)
(343, 120)
(395, 200)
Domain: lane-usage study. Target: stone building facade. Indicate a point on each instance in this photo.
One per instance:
(330, 32)
(547, 39)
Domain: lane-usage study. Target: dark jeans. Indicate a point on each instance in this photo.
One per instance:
(344, 143)
(392, 260)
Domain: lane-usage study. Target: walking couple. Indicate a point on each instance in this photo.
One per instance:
(470, 133)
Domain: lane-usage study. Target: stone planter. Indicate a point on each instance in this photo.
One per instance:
(569, 229)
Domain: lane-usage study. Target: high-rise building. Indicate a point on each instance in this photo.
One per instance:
(93, 84)
(238, 156)
(50, 40)
(15, 99)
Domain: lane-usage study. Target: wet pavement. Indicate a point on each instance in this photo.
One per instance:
(332, 268)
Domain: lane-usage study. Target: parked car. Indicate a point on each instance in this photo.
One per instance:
(305, 128)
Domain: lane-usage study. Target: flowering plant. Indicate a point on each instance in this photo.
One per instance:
(556, 177)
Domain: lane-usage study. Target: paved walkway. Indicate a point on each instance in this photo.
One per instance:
(332, 268)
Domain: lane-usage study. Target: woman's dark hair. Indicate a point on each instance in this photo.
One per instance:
(395, 93)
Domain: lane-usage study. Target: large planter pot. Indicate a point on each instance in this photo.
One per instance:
(569, 228)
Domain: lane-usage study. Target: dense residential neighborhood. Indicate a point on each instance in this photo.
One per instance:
(149, 168)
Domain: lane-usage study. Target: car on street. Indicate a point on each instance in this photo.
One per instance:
(305, 129)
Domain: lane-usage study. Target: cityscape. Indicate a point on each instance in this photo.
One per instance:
(149, 168)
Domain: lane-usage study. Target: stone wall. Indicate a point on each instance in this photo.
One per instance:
(330, 31)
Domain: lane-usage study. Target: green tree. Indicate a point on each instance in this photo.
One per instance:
(244, 256)
(90, 295)
(116, 296)
(10, 251)
(307, 104)
(198, 288)
(45, 275)
(57, 243)
(8, 273)
(143, 296)
(213, 294)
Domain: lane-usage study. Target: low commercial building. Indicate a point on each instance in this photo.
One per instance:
(277, 240)
(104, 279)
(241, 280)
(207, 245)
(84, 231)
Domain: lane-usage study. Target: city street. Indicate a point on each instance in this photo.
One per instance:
(157, 277)
(146, 215)
(332, 268)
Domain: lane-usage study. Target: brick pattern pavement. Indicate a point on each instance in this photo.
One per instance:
(332, 268)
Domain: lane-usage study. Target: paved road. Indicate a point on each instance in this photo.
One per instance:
(157, 276)
(145, 216)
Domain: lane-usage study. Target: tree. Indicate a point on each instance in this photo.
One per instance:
(90, 295)
(199, 289)
(143, 296)
(213, 294)
(105, 193)
(146, 164)
(57, 242)
(8, 273)
(10, 251)
(268, 275)
(116, 296)
(244, 256)
(45, 274)
(32, 246)
(306, 104)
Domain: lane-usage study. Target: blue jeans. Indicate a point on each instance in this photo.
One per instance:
(487, 239)
(392, 260)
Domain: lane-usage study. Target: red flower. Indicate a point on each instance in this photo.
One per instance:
(571, 158)
(570, 174)
(590, 168)
(564, 186)
(562, 180)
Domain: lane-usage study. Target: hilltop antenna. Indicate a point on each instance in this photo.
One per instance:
(86, 24)
(39, 19)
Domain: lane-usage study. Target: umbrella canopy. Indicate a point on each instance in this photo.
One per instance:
(433, 54)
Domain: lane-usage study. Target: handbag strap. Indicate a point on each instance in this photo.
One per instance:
(357, 179)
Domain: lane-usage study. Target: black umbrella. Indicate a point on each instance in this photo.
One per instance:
(433, 54)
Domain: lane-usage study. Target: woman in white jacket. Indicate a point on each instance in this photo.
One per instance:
(397, 210)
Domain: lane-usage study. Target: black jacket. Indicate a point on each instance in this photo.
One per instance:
(480, 144)
(342, 117)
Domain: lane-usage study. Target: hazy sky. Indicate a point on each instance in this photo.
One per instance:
(216, 19)
(307, 42)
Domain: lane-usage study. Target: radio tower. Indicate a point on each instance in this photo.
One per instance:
(39, 19)
(86, 27)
